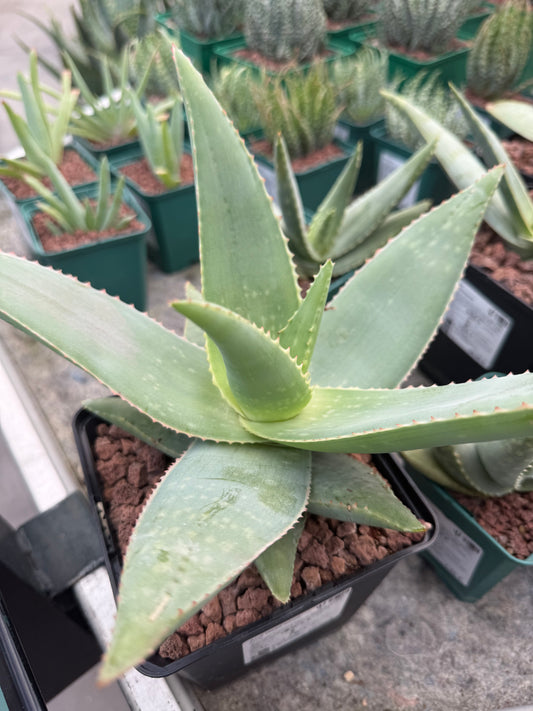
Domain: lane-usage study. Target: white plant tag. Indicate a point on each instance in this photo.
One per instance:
(476, 325)
(342, 132)
(271, 184)
(389, 162)
(295, 628)
(454, 550)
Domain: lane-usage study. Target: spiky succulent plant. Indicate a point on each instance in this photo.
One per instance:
(347, 232)
(302, 106)
(232, 84)
(285, 30)
(500, 50)
(208, 19)
(510, 212)
(358, 80)
(425, 89)
(344, 10)
(279, 391)
(428, 25)
(154, 50)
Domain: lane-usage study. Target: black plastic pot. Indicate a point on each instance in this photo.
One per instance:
(286, 628)
(485, 329)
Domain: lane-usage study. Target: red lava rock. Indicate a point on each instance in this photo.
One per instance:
(213, 610)
(326, 576)
(196, 641)
(334, 545)
(315, 554)
(214, 631)
(249, 578)
(137, 475)
(296, 589)
(229, 623)
(192, 627)
(311, 577)
(105, 448)
(174, 647)
(253, 599)
(338, 566)
(366, 550)
(305, 539)
(125, 493)
(110, 473)
(345, 528)
(246, 617)
(228, 600)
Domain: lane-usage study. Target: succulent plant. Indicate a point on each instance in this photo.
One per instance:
(358, 80)
(344, 10)
(302, 106)
(43, 131)
(208, 19)
(161, 140)
(279, 391)
(428, 25)
(425, 89)
(285, 30)
(500, 50)
(510, 212)
(71, 214)
(152, 65)
(517, 115)
(232, 84)
(347, 233)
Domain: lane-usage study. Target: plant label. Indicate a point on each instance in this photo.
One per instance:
(454, 550)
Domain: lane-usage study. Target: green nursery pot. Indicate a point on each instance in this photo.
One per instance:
(344, 33)
(470, 26)
(173, 244)
(117, 264)
(433, 183)
(98, 152)
(467, 558)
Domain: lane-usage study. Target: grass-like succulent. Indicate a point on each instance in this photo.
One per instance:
(345, 231)
(500, 50)
(232, 84)
(510, 213)
(426, 90)
(302, 106)
(347, 10)
(208, 19)
(428, 25)
(43, 128)
(70, 213)
(161, 139)
(278, 390)
(358, 81)
(285, 30)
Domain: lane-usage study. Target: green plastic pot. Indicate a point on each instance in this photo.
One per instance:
(173, 244)
(470, 27)
(351, 133)
(467, 558)
(433, 183)
(226, 52)
(451, 66)
(117, 264)
(313, 183)
(344, 33)
(200, 51)
(97, 152)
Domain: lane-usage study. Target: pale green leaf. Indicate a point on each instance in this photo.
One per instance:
(276, 564)
(213, 513)
(517, 115)
(290, 200)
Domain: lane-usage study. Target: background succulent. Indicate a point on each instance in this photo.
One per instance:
(358, 81)
(500, 50)
(285, 30)
(207, 18)
(153, 51)
(343, 10)
(233, 85)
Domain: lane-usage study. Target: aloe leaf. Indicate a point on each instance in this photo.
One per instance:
(214, 512)
(463, 464)
(58, 215)
(389, 228)
(192, 332)
(104, 180)
(366, 212)
(265, 380)
(512, 186)
(420, 268)
(120, 413)
(276, 564)
(352, 420)
(423, 461)
(20, 168)
(463, 168)
(324, 234)
(301, 332)
(32, 150)
(255, 277)
(290, 200)
(347, 489)
(517, 115)
(509, 462)
(116, 344)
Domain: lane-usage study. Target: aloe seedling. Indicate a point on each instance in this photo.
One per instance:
(510, 212)
(346, 232)
(358, 81)
(516, 115)
(161, 140)
(278, 380)
(71, 213)
(40, 136)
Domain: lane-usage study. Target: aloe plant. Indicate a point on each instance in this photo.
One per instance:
(71, 214)
(278, 380)
(161, 140)
(347, 10)
(301, 106)
(208, 19)
(43, 130)
(152, 65)
(358, 80)
(500, 50)
(285, 30)
(517, 115)
(346, 232)
(510, 212)
(232, 84)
